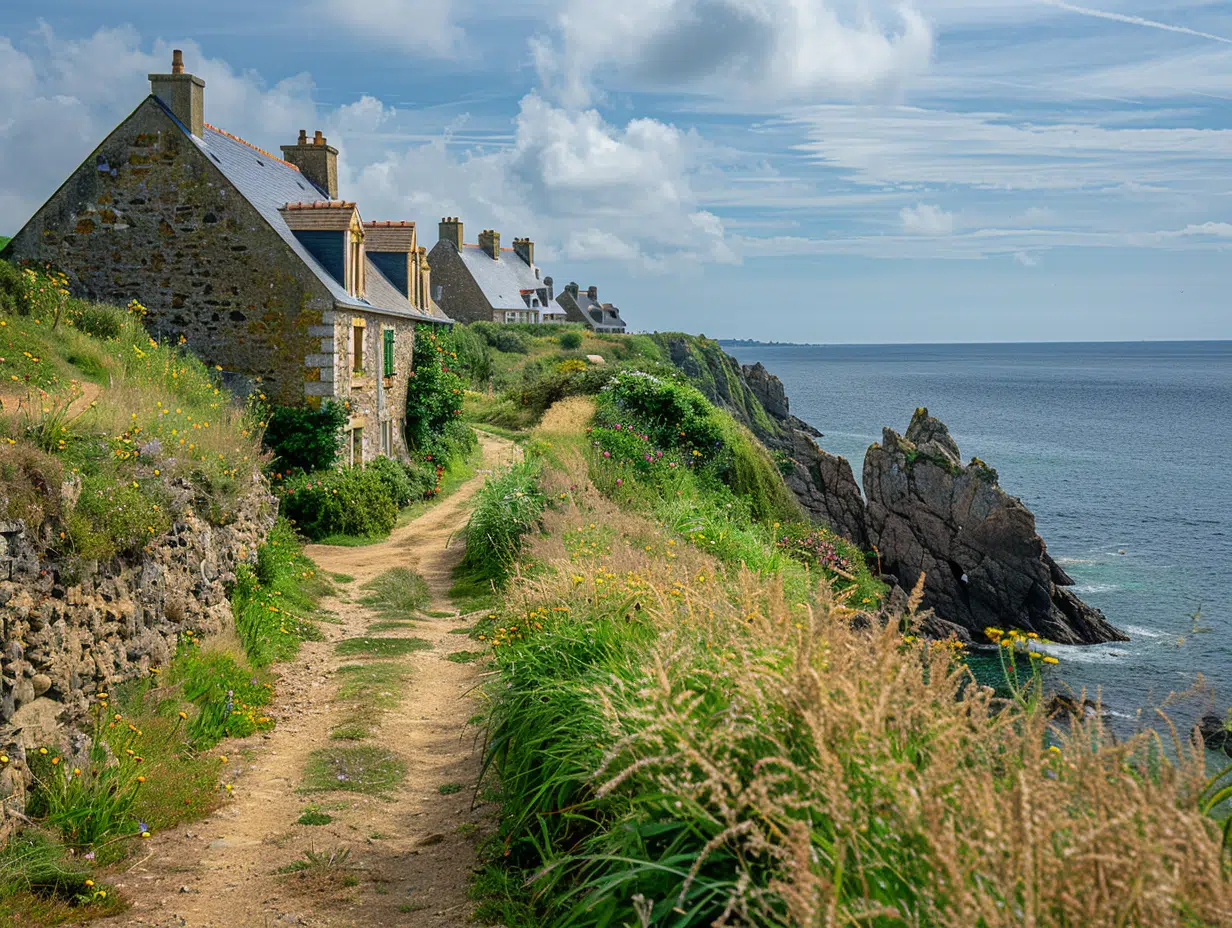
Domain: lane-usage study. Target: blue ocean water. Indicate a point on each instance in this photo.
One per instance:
(1122, 451)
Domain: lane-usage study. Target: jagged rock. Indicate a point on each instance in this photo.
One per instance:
(1215, 734)
(823, 482)
(983, 561)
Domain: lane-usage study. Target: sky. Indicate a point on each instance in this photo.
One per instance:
(835, 171)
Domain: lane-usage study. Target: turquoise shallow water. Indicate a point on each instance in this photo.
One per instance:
(1123, 452)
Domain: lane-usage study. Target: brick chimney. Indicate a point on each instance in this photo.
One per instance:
(489, 241)
(316, 160)
(593, 292)
(183, 94)
(547, 282)
(525, 249)
(571, 288)
(451, 231)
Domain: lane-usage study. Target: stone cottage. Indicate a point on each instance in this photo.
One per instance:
(252, 259)
(586, 308)
(485, 282)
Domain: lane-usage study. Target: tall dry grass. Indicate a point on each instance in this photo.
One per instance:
(684, 745)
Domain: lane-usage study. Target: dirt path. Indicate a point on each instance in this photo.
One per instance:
(408, 856)
(12, 403)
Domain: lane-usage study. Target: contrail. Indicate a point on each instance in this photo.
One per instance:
(1134, 20)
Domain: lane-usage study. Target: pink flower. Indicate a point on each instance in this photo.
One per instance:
(607, 454)
(618, 426)
(671, 463)
(619, 482)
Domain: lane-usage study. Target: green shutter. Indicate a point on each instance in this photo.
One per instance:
(389, 352)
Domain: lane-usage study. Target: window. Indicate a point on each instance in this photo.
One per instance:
(388, 342)
(357, 446)
(514, 315)
(357, 349)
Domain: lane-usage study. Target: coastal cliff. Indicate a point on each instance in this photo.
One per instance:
(921, 510)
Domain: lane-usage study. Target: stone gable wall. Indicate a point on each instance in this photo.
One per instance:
(462, 299)
(149, 216)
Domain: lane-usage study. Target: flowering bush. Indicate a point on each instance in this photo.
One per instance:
(434, 398)
(349, 501)
(817, 547)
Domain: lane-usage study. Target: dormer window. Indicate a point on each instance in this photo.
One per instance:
(332, 232)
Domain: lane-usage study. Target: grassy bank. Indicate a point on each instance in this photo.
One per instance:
(701, 717)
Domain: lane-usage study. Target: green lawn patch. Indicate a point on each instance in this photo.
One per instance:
(314, 816)
(381, 647)
(349, 731)
(372, 771)
(389, 626)
(464, 657)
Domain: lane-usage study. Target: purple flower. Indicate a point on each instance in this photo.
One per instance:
(141, 826)
(618, 426)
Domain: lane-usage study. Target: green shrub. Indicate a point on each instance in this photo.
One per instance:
(502, 338)
(474, 359)
(113, 519)
(304, 439)
(571, 341)
(675, 415)
(508, 508)
(422, 477)
(396, 479)
(351, 501)
(97, 320)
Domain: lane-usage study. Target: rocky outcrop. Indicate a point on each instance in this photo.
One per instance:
(984, 563)
(70, 627)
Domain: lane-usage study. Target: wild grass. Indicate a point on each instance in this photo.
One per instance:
(507, 509)
(274, 604)
(370, 770)
(314, 816)
(464, 657)
(397, 593)
(685, 740)
(372, 686)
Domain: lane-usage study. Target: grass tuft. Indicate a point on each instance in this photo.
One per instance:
(381, 647)
(372, 771)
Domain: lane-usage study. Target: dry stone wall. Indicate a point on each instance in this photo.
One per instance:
(68, 627)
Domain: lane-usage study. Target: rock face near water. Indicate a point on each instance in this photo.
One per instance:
(823, 482)
(983, 561)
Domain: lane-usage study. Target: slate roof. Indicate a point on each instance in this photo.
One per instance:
(503, 281)
(269, 184)
(593, 309)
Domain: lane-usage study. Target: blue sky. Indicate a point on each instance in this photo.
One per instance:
(806, 170)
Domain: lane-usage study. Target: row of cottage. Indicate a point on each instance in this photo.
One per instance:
(266, 273)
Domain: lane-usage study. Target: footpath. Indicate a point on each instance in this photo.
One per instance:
(381, 849)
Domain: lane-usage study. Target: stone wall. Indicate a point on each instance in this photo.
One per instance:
(149, 216)
(373, 398)
(461, 297)
(69, 628)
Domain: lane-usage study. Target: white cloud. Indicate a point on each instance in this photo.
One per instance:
(579, 186)
(1025, 259)
(926, 219)
(756, 50)
(59, 98)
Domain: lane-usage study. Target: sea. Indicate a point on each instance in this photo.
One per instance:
(1124, 453)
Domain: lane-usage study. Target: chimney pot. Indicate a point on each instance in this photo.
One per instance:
(525, 250)
(592, 292)
(450, 230)
(183, 94)
(316, 160)
(489, 241)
